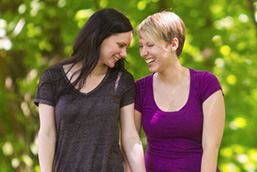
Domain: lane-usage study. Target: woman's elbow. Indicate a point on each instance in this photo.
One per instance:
(211, 146)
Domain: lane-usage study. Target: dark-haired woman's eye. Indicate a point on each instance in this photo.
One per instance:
(121, 45)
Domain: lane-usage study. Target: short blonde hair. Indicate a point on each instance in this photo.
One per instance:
(165, 26)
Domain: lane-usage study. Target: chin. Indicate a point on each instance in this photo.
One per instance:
(111, 65)
(152, 70)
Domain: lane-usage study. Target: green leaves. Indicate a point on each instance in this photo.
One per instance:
(220, 38)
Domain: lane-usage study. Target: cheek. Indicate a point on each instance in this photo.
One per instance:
(140, 52)
(110, 49)
(143, 52)
(104, 52)
(154, 50)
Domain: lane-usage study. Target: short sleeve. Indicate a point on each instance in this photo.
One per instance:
(45, 92)
(128, 96)
(138, 97)
(209, 85)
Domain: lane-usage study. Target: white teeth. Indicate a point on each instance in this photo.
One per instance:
(150, 60)
(115, 58)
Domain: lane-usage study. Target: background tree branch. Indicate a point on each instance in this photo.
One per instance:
(252, 10)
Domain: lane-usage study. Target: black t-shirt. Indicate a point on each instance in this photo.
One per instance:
(87, 133)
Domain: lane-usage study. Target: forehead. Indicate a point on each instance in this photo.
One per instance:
(122, 37)
(144, 40)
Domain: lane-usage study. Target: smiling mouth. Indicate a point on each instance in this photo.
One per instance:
(115, 58)
(150, 61)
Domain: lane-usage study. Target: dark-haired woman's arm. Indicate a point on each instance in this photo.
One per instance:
(130, 139)
(46, 137)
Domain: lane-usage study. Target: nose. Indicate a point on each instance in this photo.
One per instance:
(143, 52)
(123, 53)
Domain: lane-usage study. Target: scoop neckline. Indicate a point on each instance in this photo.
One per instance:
(83, 93)
(184, 106)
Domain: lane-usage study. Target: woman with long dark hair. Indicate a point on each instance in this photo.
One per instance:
(82, 99)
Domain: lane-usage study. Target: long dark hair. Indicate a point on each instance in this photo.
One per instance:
(86, 46)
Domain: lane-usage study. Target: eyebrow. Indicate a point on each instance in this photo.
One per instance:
(146, 43)
(123, 43)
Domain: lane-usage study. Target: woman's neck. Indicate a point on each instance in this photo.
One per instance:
(99, 70)
(174, 75)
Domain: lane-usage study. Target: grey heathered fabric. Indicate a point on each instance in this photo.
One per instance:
(87, 126)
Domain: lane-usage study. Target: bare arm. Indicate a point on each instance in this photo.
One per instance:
(138, 128)
(46, 138)
(138, 119)
(130, 139)
(127, 166)
(213, 126)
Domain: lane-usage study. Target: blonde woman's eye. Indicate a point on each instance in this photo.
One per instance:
(151, 45)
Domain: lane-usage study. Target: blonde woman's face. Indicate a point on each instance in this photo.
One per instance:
(156, 55)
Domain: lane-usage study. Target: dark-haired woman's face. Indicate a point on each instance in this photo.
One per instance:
(114, 48)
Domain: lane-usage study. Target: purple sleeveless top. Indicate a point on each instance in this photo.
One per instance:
(174, 139)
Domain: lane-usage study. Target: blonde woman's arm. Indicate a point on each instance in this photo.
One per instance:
(213, 126)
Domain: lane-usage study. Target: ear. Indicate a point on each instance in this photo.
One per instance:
(174, 44)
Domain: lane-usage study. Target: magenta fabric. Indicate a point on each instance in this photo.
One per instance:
(174, 139)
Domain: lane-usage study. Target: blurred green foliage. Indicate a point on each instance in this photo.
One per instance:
(221, 38)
